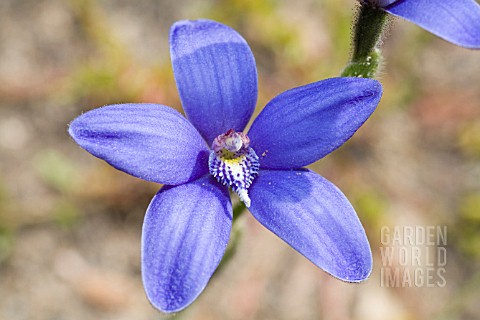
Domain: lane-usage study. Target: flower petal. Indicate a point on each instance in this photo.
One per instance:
(304, 124)
(216, 76)
(185, 233)
(314, 217)
(455, 21)
(149, 141)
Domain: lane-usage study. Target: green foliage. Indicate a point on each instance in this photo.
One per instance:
(469, 139)
(6, 242)
(468, 225)
(65, 213)
(470, 208)
(370, 206)
(275, 41)
(55, 170)
(105, 77)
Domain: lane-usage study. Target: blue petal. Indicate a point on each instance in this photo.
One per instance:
(216, 76)
(304, 124)
(314, 217)
(382, 3)
(457, 21)
(185, 233)
(149, 141)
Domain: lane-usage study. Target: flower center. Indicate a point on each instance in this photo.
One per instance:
(233, 163)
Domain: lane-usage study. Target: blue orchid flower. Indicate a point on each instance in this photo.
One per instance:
(188, 222)
(457, 21)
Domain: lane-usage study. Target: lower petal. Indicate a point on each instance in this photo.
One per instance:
(185, 233)
(455, 21)
(315, 218)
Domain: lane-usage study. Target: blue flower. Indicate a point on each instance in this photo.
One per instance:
(188, 222)
(457, 21)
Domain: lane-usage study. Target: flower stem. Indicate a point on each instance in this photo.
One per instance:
(235, 236)
(368, 28)
(238, 210)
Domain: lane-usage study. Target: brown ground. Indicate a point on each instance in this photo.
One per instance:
(70, 225)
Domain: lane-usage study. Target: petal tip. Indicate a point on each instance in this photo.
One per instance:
(167, 304)
(75, 128)
(369, 85)
(71, 129)
(372, 90)
(457, 22)
(187, 36)
(359, 272)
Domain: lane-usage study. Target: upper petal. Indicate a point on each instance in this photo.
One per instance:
(314, 217)
(185, 233)
(304, 124)
(149, 141)
(216, 76)
(456, 21)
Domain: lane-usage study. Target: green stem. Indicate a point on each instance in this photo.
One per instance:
(238, 210)
(368, 29)
(235, 235)
(366, 57)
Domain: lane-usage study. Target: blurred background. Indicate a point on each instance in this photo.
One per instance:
(70, 225)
